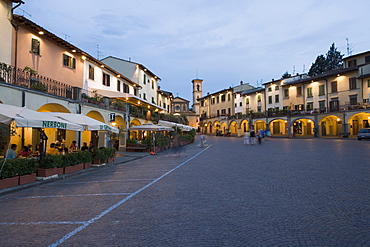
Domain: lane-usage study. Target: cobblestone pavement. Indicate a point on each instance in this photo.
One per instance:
(285, 192)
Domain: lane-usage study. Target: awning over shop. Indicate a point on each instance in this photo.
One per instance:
(151, 127)
(176, 125)
(129, 98)
(25, 117)
(88, 122)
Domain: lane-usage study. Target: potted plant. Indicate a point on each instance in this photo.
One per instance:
(48, 166)
(26, 169)
(8, 175)
(86, 158)
(72, 162)
(101, 155)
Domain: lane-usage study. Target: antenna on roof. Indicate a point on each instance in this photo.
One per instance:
(349, 48)
(304, 68)
(98, 51)
(24, 12)
(293, 69)
(66, 36)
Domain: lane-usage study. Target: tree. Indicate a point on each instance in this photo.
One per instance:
(332, 60)
(319, 66)
(286, 75)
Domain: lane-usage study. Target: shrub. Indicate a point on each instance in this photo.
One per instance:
(51, 161)
(17, 167)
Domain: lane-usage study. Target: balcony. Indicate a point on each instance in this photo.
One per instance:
(28, 78)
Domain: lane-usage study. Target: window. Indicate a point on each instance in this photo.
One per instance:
(334, 104)
(153, 84)
(202, 103)
(126, 88)
(352, 63)
(218, 113)
(91, 72)
(212, 101)
(35, 46)
(353, 99)
(135, 91)
(118, 86)
(228, 97)
(322, 90)
(309, 92)
(144, 79)
(276, 87)
(367, 59)
(153, 101)
(270, 99)
(277, 98)
(334, 87)
(310, 106)
(269, 89)
(177, 108)
(368, 83)
(217, 99)
(235, 105)
(228, 111)
(144, 96)
(352, 83)
(259, 98)
(247, 100)
(286, 93)
(106, 79)
(164, 105)
(322, 106)
(223, 111)
(69, 61)
(299, 91)
(223, 98)
(241, 104)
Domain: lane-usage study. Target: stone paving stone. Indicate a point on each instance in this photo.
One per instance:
(284, 192)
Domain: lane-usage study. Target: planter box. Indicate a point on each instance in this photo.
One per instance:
(26, 179)
(97, 161)
(60, 170)
(75, 168)
(46, 172)
(87, 165)
(9, 182)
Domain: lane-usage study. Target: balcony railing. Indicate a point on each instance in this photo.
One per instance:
(29, 79)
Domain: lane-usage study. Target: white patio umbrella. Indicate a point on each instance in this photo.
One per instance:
(176, 125)
(151, 127)
(87, 122)
(25, 117)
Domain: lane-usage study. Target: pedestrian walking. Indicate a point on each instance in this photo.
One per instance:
(202, 140)
(247, 137)
(253, 137)
(260, 136)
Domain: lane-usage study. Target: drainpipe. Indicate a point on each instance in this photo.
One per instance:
(19, 4)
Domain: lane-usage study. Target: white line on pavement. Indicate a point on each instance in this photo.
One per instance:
(49, 223)
(87, 223)
(100, 194)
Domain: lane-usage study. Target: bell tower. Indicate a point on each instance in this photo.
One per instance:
(197, 93)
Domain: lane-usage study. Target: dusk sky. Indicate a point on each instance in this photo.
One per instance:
(222, 42)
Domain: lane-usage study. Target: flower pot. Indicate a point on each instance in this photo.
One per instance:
(87, 165)
(26, 179)
(9, 182)
(46, 172)
(60, 170)
(75, 168)
(97, 161)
